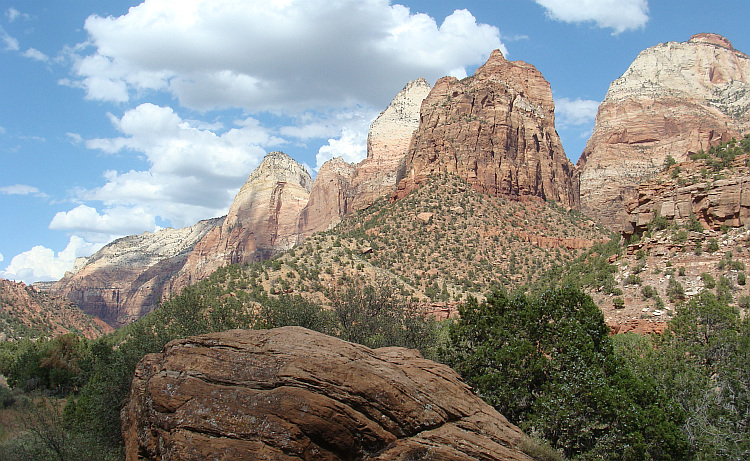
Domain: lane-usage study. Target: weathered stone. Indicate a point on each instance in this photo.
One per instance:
(330, 199)
(262, 221)
(425, 217)
(713, 204)
(341, 188)
(293, 394)
(496, 130)
(125, 279)
(387, 145)
(674, 99)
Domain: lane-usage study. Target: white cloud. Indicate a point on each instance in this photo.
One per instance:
(619, 15)
(11, 44)
(351, 145)
(570, 112)
(21, 189)
(12, 14)
(41, 263)
(36, 55)
(1, 257)
(117, 221)
(193, 172)
(284, 55)
(75, 138)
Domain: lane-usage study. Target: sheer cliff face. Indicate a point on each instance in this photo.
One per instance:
(330, 200)
(341, 187)
(262, 221)
(495, 129)
(124, 280)
(387, 144)
(676, 98)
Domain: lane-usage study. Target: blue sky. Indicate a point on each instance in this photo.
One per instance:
(119, 117)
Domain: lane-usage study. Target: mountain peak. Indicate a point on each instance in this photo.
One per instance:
(714, 39)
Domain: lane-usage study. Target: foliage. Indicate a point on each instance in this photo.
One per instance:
(547, 363)
(701, 361)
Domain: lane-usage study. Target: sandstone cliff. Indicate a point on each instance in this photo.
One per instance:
(715, 201)
(27, 313)
(676, 98)
(294, 394)
(341, 188)
(330, 200)
(496, 130)
(125, 279)
(387, 145)
(262, 221)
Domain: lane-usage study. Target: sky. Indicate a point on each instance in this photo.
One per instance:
(120, 117)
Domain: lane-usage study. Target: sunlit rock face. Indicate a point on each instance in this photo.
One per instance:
(125, 279)
(295, 394)
(496, 130)
(262, 221)
(674, 99)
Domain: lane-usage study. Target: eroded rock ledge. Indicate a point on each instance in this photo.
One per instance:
(292, 394)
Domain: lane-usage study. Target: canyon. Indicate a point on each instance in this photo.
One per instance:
(496, 131)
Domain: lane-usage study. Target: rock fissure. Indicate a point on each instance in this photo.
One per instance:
(423, 404)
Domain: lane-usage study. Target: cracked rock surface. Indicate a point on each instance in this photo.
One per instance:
(291, 393)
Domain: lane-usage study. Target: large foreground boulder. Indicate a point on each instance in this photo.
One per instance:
(291, 393)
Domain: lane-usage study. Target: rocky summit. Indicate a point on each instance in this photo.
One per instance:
(496, 130)
(295, 394)
(674, 99)
(262, 221)
(341, 188)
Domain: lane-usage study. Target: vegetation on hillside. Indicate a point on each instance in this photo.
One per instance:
(529, 339)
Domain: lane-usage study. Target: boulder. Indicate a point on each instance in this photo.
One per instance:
(293, 394)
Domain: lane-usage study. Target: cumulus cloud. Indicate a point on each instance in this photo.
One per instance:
(21, 189)
(289, 55)
(351, 145)
(193, 171)
(569, 112)
(618, 15)
(117, 221)
(41, 263)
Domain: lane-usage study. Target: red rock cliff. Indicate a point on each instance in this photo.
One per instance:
(675, 98)
(495, 129)
(262, 221)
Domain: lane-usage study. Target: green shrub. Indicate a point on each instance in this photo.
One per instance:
(712, 246)
(648, 292)
(708, 280)
(517, 353)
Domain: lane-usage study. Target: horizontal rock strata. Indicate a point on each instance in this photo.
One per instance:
(292, 394)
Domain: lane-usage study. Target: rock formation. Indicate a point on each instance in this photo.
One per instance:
(676, 98)
(341, 188)
(714, 203)
(387, 145)
(496, 130)
(262, 221)
(294, 394)
(125, 279)
(28, 313)
(330, 199)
